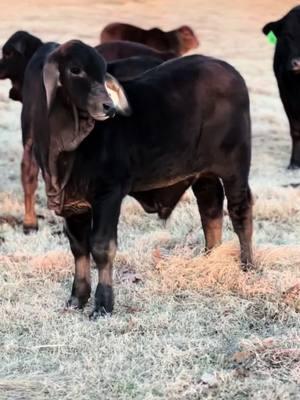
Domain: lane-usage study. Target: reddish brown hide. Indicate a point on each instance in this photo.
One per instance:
(29, 174)
(179, 40)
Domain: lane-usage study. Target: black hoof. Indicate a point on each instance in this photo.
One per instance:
(99, 313)
(27, 229)
(165, 212)
(293, 165)
(104, 301)
(75, 304)
(80, 294)
(247, 267)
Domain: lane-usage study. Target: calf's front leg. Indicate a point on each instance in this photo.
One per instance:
(78, 229)
(106, 211)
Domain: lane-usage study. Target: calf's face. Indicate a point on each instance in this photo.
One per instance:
(287, 31)
(81, 72)
(78, 91)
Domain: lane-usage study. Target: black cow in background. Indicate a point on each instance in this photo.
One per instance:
(161, 135)
(287, 71)
(18, 51)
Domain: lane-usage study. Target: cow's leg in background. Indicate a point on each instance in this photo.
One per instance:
(210, 197)
(293, 118)
(106, 211)
(239, 200)
(78, 229)
(29, 177)
(295, 157)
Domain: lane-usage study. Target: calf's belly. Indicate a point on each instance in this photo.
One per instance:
(166, 169)
(160, 182)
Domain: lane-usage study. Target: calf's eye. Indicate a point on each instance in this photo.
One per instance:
(7, 54)
(76, 70)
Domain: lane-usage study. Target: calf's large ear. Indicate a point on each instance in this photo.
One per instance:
(51, 81)
(275, 27)
(117, 94)
(20, 46)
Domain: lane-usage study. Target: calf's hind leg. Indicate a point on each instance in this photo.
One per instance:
(210, 197)
(240, 211)
(295, 157)
(78, 228)
(29, 176)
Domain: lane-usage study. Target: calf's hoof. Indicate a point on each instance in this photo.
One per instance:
(76, 303)
(81, 291)
(30, 228)
(247, 267)
(104, 301)
(97, 313)
(164, 212)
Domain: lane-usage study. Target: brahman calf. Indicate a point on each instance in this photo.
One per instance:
(286, 67)
(180, 40)
(97, 141)
(17, 52)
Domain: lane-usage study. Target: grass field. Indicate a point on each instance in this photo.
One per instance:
(186, 326)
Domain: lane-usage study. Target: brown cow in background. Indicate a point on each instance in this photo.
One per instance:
(120, 49)
(180, 40)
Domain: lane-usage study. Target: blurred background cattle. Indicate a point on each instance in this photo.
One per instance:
(179, 40)
(287, 71)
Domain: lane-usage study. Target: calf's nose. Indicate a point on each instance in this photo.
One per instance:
(109, 110)
(295, 63)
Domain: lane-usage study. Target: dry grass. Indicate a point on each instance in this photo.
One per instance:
(186, 326)
(220, 271)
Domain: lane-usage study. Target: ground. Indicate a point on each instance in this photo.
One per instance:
(186, 326)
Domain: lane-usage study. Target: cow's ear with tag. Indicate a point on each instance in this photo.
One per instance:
(274, 27)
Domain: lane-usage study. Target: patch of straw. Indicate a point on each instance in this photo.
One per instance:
(220, 270)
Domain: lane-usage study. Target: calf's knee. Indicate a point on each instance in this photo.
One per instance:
(103, 252)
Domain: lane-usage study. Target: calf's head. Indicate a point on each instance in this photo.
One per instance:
(287, 31)
(78, 91)
(81, 73)
(16, 53)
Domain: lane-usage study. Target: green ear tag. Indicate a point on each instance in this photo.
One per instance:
(272, 37)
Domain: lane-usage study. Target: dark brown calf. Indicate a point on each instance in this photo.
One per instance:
(179, 40)
(161, 134)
